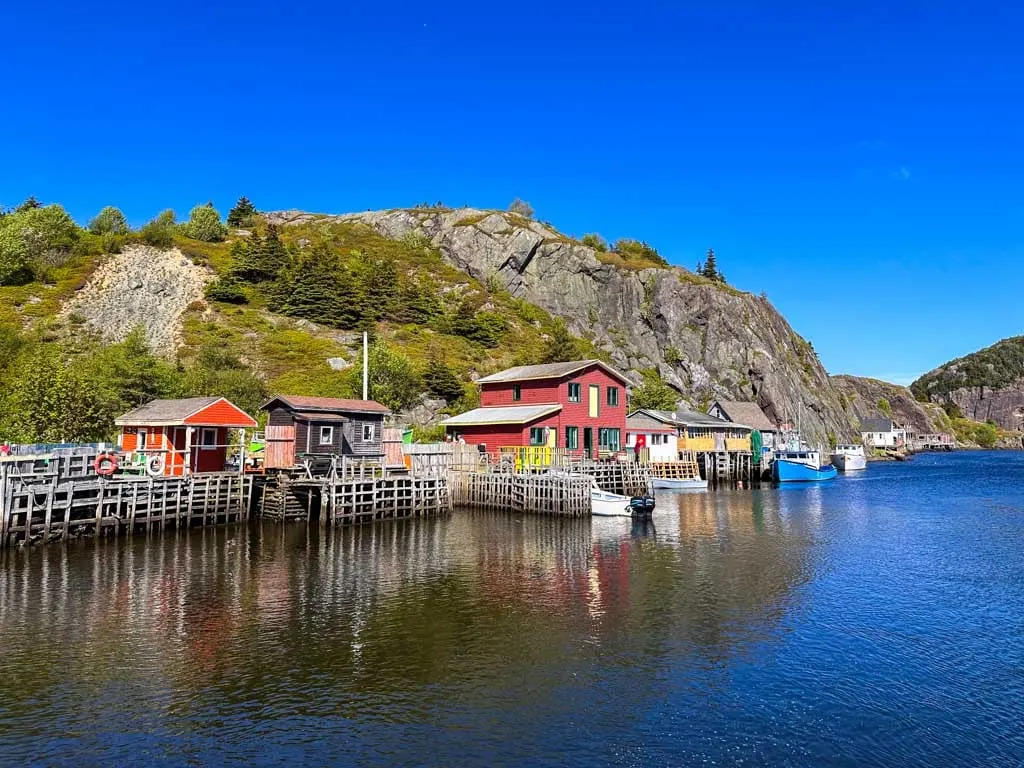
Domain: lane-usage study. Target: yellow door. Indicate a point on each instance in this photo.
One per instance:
(594, 400)
(552, 438)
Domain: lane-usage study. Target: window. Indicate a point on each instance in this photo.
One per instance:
(208, 438)
(326, 435)
(367, 433)
(572, 438)
(613, 395)
(574, 392)
(608, 439)
(537, 436)
(517, 392)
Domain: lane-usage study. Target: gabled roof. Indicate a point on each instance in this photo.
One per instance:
(161, 413)
(548, 371)
(685, 418)
(513, 414)
(876, 425)
(331, 404)
(748, 413)
(320, 416)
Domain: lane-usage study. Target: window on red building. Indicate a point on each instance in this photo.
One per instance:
(613, 395)
(574, 392)
(608, 439)
(572, 438)
(537, 436)
(517, 392)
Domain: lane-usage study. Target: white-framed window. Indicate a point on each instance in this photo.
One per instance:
(326, 435)
(207, 439)
(368, 433)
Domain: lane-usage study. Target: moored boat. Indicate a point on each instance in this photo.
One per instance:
(678, 484)
(801, 467)
(849, 458)
(605, 504)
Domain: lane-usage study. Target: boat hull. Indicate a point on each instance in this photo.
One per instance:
(672, 484)
(845, 462)
(785, 471)
(604, 504)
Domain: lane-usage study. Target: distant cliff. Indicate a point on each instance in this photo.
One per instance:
(870, 399)
(985, 385)
(706, 338)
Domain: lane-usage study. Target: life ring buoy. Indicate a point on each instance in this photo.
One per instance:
(155, 466)
(105, 464)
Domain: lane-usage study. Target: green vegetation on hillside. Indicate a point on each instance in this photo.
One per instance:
(994, 367)
(284, 303)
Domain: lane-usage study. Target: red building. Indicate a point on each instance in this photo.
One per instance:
(180, 437)
(579, 406)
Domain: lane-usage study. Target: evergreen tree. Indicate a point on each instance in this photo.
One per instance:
(710, 270)
(653, 393)
(441, 381)
(378, 281)
(418, 301)
(30, 204)
(562, 346)
(241, 215)
(700, 268)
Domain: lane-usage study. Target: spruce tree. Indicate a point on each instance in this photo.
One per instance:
(710, 265)
(562, 346)
(242, 213)
(440, 380)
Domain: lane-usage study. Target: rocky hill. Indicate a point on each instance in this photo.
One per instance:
(870, 398)
(985, 385)
(705, 338)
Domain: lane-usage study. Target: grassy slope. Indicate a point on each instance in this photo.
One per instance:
(292, 356)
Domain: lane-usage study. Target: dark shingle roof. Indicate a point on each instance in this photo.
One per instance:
(303, 403)
(165, 411)
(747, 413)
(876, 425)
(687, 418)
(547, 371)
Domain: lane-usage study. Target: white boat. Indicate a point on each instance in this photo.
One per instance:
(604, 504)
(849, 458)
(673, 484)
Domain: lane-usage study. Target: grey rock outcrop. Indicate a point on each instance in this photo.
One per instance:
(706, 339)
(862, 397)
(141, 287)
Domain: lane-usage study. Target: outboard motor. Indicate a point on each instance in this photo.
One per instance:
(641, 506)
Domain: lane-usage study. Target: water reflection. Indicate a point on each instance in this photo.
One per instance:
(226, 628)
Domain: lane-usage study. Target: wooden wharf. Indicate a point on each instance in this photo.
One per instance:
(566, 496)
(42, 509)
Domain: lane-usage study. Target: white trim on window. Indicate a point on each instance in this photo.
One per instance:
(326, 436)
(368, 433)
(208, 439)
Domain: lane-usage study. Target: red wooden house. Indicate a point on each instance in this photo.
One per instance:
(579, 406)
(180, 437)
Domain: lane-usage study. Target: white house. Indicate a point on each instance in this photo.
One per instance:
(882, 433)
(656, 431)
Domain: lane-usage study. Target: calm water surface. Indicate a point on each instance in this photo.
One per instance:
(875, 620)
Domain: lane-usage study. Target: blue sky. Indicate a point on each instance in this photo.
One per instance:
(862, 164)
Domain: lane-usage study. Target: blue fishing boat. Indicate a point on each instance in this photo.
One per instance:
(801, 467)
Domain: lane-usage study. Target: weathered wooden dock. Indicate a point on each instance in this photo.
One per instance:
(35, 510)
(567, 496)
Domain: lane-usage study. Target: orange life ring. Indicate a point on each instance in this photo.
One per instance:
(105, 464)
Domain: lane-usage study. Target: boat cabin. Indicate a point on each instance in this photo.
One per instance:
(181, 437)
(300, 427)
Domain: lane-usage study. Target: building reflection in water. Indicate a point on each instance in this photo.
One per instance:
(354, 622)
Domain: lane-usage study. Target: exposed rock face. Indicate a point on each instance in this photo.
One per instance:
(862, 397)
(988, 384)
(707, 339)
(145, 287)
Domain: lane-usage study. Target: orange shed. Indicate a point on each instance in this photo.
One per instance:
(179, 437)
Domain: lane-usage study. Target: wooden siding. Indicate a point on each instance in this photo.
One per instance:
(280, 445)
(222, 413)
(354, 443)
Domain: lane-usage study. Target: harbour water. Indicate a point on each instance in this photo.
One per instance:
(874, 620)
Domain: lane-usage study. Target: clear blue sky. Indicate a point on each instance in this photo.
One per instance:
(860, 163)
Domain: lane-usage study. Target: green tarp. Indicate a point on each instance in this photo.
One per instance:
(755, 446)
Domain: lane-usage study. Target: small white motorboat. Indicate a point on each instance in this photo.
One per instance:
(676, 484)
(604, 504)
(849, 458)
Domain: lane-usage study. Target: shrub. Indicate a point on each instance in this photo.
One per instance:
(227, 290)
(521, 208)
(160, 231)
(640, 251)
(109, 221)
(596, 242)
(204, 224)
(884, 407)
(653, 393)
(14, 260)
(672, 356)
